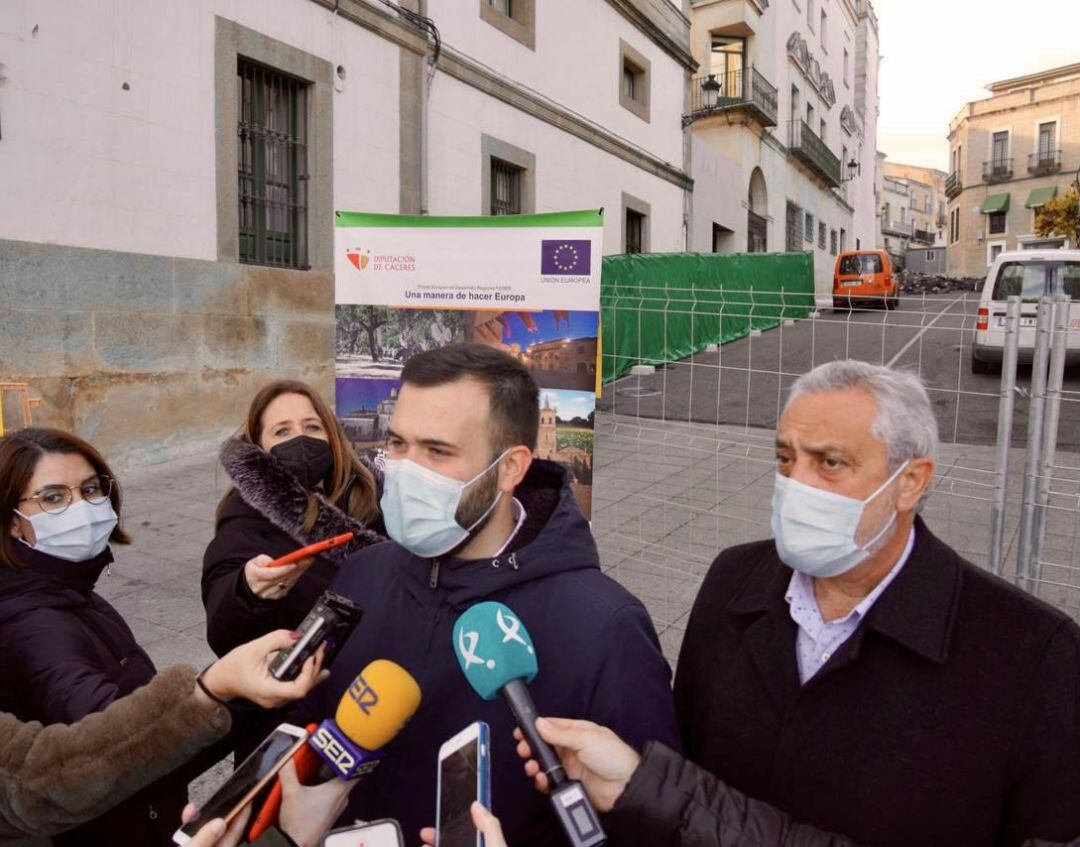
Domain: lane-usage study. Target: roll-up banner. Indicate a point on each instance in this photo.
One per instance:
(528, 285)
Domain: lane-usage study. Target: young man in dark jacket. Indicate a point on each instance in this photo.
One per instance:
(474, 518)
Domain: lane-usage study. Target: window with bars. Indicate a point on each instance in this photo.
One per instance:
(505, 188)
(808, 228)
(832, 241)
(635, 232)
(793, 230)
(821, 236)
(272, 164)
(1047, 140)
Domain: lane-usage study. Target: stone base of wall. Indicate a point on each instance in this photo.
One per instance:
(151, 357)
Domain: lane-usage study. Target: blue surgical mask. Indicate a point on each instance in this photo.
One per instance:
(815, 529)
(76, 534)
(419, 507)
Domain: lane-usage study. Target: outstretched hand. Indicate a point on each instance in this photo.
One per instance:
(245, 672)
(590, 753)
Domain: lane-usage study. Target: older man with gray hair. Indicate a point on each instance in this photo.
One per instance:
(855, 672)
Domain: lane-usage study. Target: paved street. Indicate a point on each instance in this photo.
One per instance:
(667, 497)
(745, 381)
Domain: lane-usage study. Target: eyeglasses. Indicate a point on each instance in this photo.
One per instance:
(55, 499)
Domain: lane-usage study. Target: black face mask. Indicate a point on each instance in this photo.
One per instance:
(308, 459)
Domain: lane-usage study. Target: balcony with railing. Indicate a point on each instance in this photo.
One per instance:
(744, 90)
(953, 184)
(922, 236)
(1044, 162)
(997, 170)
(807, 146)
(892, 227)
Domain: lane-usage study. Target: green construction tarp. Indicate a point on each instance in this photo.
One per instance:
(662, 307)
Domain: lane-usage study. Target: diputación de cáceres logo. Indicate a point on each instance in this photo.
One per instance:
(361, 258)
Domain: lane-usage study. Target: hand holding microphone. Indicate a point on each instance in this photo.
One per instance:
(308, 811)
(591, 753)
(370, 713)
(497, 657)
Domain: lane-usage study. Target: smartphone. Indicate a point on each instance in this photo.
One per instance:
(464, 777)
(384, 833)
(247, 780)
(311, 550)
(331, 620)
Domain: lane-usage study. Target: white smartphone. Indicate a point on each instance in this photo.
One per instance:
(464, 777)
(384, 833)
(246, 780)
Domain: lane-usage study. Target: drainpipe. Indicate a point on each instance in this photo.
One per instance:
(425, 85)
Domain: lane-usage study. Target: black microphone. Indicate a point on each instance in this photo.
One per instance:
(497, 657)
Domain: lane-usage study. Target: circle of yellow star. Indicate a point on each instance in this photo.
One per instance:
(559, 262)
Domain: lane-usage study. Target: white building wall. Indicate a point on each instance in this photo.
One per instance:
(717, 196)
(576, 63)
(570, 173)
(866, 66)
(725, 155)
(86, 163)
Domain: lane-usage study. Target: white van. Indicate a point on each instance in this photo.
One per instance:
(1028, 274)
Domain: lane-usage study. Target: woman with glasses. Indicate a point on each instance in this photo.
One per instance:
(64, 651)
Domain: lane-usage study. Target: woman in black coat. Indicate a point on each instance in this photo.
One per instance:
(64, 651)
(297, 481)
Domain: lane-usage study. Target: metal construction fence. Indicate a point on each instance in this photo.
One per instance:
(685, 452)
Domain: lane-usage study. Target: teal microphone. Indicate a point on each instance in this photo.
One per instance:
(497, 656)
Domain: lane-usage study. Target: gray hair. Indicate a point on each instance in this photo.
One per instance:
(904, 422)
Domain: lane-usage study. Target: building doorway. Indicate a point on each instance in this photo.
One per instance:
(757, 224)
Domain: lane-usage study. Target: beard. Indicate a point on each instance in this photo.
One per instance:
(477, 500)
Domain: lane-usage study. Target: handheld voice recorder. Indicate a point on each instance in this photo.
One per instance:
(331, 621)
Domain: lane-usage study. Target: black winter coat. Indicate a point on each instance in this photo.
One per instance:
(671, 802)
(950, 717)
(66, 653)
(598, 655)
(234, 615)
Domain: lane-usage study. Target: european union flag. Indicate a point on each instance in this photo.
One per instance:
(565, 258)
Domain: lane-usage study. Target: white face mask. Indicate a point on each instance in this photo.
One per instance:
(78, 533)
(815, 529)
(419, 507)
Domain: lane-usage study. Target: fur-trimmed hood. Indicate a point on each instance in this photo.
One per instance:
(265, 485)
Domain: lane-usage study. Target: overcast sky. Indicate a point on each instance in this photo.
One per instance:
(937, 55)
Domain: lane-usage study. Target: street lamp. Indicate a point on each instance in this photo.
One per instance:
(710, 89)
(710, 93)
(853, 170)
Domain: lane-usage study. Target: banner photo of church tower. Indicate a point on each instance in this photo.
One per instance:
(528, 285)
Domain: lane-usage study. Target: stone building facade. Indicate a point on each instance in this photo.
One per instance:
(1009, 153)
(170, 172)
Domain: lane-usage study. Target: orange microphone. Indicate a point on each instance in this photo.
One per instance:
(373, 710)
(311, 550)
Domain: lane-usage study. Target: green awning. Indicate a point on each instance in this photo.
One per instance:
(1038, 196)
(995, 203)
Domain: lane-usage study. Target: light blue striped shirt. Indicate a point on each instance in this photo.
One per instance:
(819, 639)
